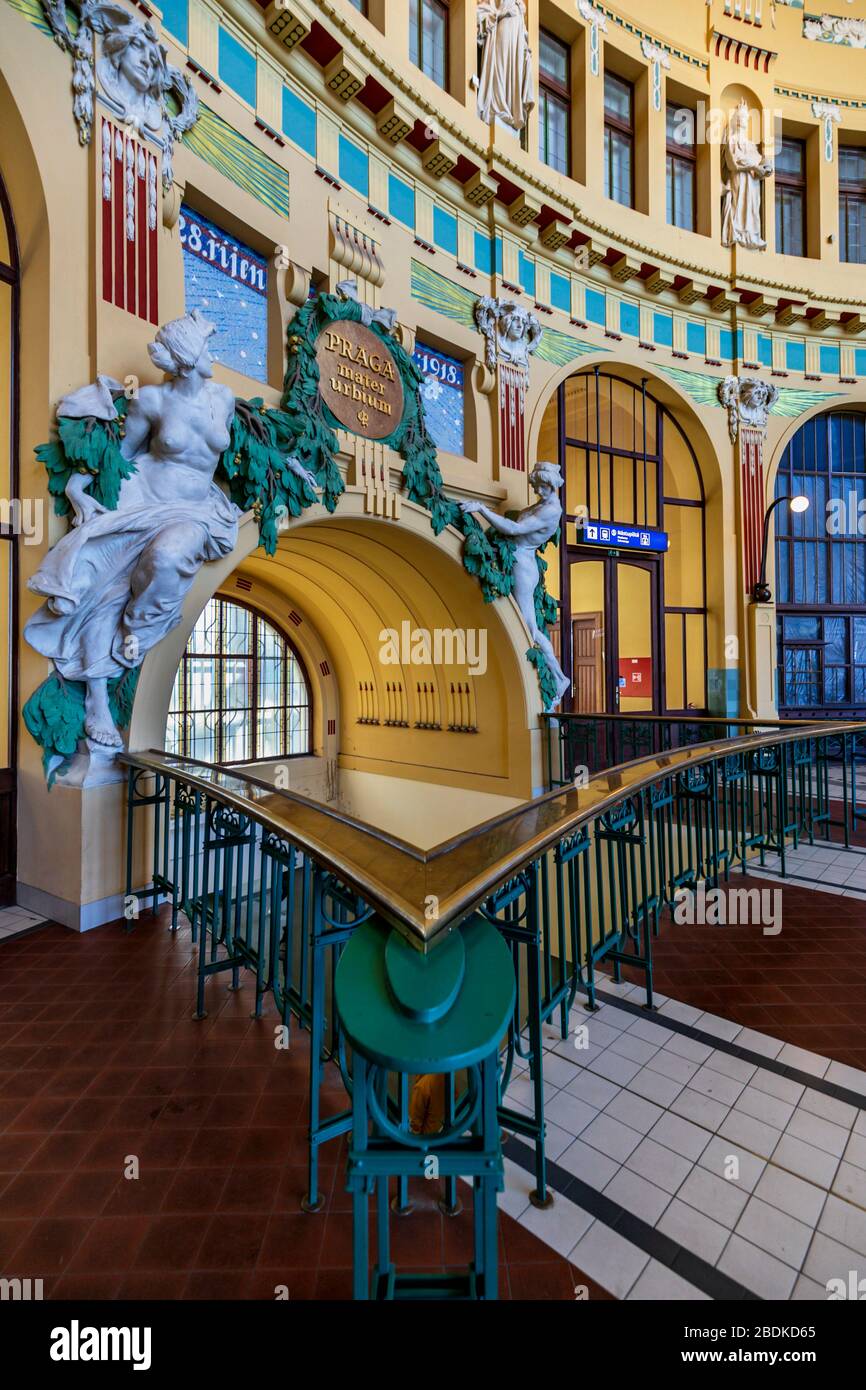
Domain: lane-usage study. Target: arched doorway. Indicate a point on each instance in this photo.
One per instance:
(632, 577)
(821, 569)
(10, 526)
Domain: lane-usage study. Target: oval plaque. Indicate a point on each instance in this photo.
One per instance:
(359, 379)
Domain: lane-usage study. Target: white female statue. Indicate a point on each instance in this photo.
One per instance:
(532, 528)
(743, 170)
(506, 87)
(116, 582)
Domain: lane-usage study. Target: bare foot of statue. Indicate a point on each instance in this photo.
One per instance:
(562, 686)
(98, 723)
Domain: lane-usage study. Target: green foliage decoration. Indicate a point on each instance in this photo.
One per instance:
(254, 466)
(87, 446)
(54, 715)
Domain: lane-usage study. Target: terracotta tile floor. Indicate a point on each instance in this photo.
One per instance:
(100, 1060)
(807, 985)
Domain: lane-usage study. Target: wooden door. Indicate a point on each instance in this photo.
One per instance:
(588, 662)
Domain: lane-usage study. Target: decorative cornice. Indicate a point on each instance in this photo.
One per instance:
(849, 103)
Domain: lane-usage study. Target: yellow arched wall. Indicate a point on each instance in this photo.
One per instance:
(354, 576)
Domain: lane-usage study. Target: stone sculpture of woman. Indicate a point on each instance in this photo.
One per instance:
(115, 584)
(743, 170)
(506, 86)
(532, 528)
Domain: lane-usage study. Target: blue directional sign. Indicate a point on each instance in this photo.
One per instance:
(613, 535)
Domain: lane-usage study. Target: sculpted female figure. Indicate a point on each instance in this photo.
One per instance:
(115, 584)
(506, 87)
(744, 169)
(532, 528)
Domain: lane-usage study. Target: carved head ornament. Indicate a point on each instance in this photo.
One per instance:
(131, 74)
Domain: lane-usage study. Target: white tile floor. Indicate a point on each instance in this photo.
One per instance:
(830, 867)
(16, 919)
(759, 1175)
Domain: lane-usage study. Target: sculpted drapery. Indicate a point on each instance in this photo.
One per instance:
(744, 169)
(115, 584)
(506, 88)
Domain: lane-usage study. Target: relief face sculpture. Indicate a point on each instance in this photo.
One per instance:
(115, 584)
(132, 74)
(119, 59)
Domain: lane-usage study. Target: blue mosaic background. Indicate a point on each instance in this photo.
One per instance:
(442, 394)
(229, 283)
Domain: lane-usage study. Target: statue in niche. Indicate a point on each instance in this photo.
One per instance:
(134, 78)
(744, 169)
(532, 528)
(506, 87)
(114, 585)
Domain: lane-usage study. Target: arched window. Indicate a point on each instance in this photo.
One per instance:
(821, 568)
(241, 692)
(633, 621)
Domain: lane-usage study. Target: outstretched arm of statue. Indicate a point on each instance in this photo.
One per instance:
(83, 506)
(309, 478)
(499, 523)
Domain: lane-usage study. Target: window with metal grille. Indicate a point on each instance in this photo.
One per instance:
(241, 693)
(428, 38)
(821, 567)
(791, 198)
(554, 101)
(852, 203)
(618, 139)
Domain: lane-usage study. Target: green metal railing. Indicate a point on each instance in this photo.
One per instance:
(275, 885)
(579, 745)
(591, 743)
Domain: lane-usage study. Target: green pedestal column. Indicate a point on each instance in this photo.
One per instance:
(404, 1014)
